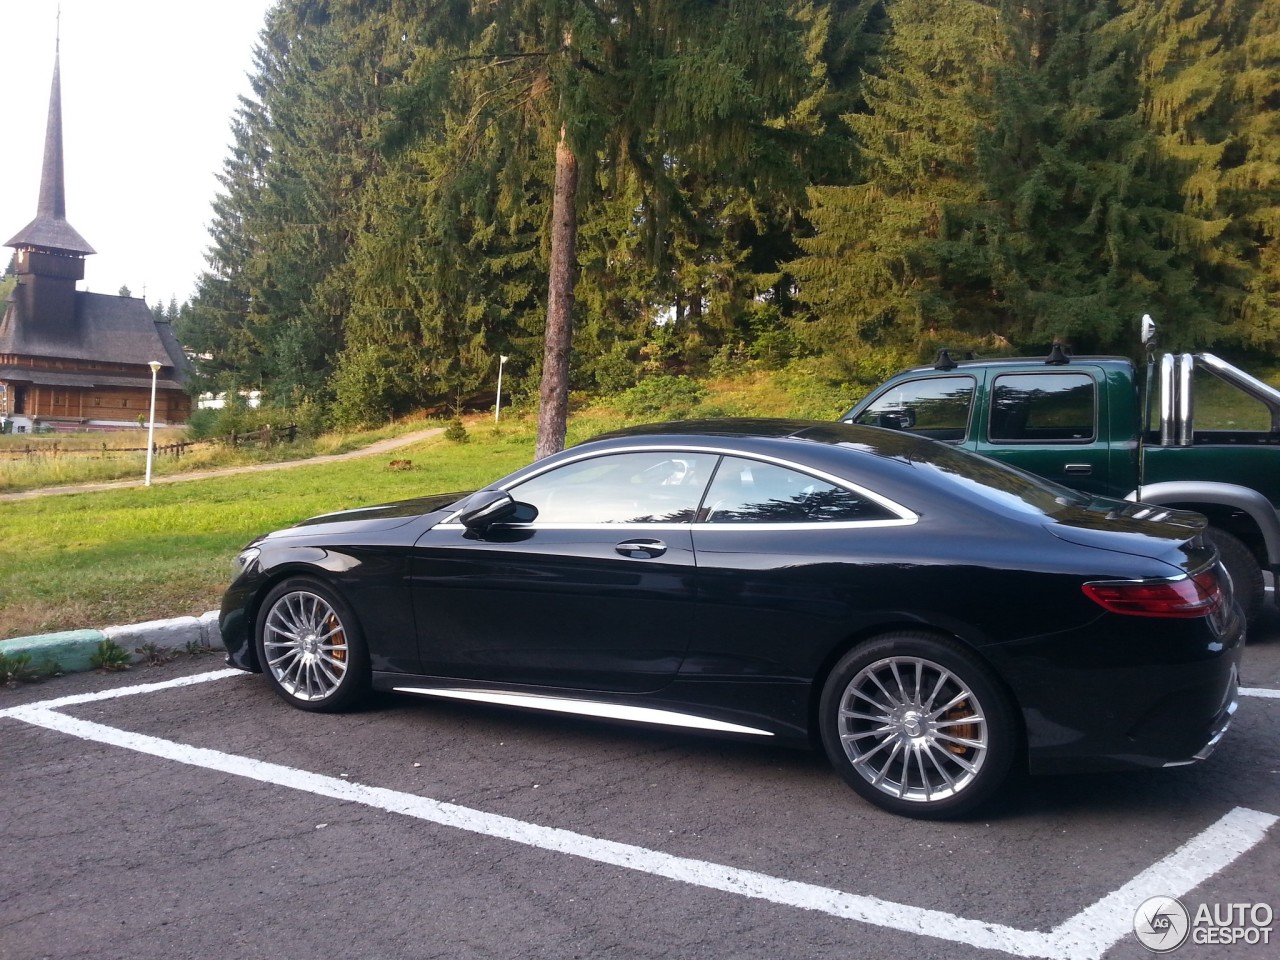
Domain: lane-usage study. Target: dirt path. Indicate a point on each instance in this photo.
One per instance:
(381, 446)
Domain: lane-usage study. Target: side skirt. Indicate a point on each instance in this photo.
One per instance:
(575, 706)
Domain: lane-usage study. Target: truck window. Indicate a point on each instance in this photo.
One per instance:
(936, 407)
(1043, 408)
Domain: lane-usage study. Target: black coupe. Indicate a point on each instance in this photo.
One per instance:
(930, 617)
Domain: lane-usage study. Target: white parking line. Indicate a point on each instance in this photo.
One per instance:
(1260, 692)
(1085, 936)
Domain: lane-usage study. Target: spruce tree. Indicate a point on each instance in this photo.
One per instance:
(876, 274)
(623, 89)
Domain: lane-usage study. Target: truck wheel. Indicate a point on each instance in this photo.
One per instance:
(1246, 575)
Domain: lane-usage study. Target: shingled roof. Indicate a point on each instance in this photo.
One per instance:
(108, 329)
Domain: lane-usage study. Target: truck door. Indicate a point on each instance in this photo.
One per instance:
(1049, 422)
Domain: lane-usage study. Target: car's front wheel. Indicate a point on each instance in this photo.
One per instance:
(918, 725)
(310, 647)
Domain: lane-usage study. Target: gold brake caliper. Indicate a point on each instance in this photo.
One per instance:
(964, 731)
(339, 639)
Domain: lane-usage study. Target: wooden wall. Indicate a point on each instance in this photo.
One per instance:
(108, 403)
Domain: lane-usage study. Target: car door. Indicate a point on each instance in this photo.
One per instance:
(595, 593)
(788, 561)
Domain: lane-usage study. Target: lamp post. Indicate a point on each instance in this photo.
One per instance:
(497, 407)
(151, 425)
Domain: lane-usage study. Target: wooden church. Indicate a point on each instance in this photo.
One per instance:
(69, 359)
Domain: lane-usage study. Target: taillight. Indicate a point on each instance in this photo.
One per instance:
(1196, 596)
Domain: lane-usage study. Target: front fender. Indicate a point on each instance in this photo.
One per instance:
(272, 564)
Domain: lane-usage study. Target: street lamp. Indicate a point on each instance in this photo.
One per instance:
(497, 407)
(151, 426)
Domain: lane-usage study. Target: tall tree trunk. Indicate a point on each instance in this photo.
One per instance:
(553, 407)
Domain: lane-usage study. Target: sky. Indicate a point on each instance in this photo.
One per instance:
(149, 88)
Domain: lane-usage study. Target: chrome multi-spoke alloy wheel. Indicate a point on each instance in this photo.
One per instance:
(309, 646)
(306, 646)
(913, 729)
(918, 725)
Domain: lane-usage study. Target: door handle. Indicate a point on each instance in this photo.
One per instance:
(1079, 469)
(641, 549)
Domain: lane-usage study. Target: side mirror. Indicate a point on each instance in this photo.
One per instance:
(1148, 331)
(487, 508)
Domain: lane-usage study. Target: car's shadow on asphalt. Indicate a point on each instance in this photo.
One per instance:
(1234, 776)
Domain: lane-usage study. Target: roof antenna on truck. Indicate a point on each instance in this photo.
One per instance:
(944, 361)
(1058, 357)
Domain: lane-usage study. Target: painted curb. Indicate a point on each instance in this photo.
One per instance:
(72, 650)
(56, 652)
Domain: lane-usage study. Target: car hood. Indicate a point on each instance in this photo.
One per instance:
(1111, 525)
(384, 516)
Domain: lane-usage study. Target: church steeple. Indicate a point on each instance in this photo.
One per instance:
(49, 231)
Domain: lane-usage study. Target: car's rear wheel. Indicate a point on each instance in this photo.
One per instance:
(310, 647)
(918, 725)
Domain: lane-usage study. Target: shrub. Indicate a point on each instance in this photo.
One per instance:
(456, 431)
(614, 372)
(110, 656)
(668, 398)
(15, 668)
(729, 360)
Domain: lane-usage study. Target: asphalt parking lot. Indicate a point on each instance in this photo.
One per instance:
(184, 811)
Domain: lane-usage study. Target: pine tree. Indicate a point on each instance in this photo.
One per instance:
(876, 273)
(608, 91)
(218, 326)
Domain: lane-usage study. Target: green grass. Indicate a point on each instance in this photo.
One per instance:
(46, 469)
(123, 556)
(134, 554)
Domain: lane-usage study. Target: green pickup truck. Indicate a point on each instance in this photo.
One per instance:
(1212, 442)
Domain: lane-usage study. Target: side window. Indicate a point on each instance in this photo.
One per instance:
(1043, 408)
(749, 491)
(937, 407)
(651, 487)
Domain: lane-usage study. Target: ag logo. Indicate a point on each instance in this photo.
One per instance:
(1162, 924)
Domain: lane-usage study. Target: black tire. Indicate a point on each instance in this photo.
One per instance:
(1246, 575)
(934, 735)
(310, 647)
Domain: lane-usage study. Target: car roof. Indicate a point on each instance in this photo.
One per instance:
(750, 428)
(774, 436)
(726, 427)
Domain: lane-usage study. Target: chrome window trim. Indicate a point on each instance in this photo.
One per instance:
(905, 517)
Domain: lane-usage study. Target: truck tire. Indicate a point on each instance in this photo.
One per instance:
(1246, 575)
